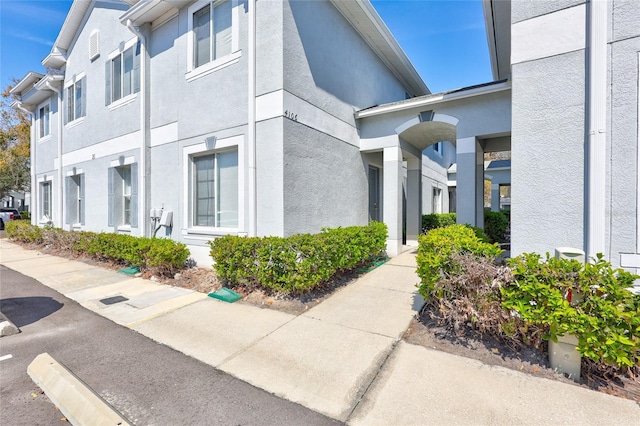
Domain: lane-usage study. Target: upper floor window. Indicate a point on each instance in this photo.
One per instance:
(44, 119)
(122, 72)
(212, 36)
(76, 98)
(211, 32)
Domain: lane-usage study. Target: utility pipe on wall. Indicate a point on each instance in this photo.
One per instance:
(251, 120)
(596, 127)
(60, 180)
(142, 168)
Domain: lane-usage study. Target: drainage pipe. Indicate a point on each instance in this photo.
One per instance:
(251, 120)
(60, 177)
(142, 172)
(596, 125)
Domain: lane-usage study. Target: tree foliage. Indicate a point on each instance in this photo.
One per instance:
(15, 128)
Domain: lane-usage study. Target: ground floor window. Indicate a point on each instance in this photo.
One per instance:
(437, 200)
(75, 199)
(215, 190)
(45, 201)
(123, 196)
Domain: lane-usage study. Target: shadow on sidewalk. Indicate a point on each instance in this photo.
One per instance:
(27, 310)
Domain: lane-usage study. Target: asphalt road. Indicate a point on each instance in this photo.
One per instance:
(149, 383)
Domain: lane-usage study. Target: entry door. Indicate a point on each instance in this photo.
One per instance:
(374, 193)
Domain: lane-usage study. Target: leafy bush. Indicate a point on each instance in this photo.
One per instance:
(435, 255)
(437, 220)
(161, 256)
(606, 321)
(495, 225)
(298, 263)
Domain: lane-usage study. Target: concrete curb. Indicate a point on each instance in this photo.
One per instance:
(77, 401)
(7, 328)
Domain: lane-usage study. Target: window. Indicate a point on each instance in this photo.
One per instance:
(122, 73)
(76, 99)
(212, 35)
(437, 200)
(215, 190)
(437, 147)
(75, 199)
(45, 200)
(44, 119)
(125, 173)
(123, 196)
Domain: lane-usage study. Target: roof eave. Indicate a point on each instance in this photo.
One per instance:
(27, 82)
(398, 61)
(487, 7)
(437, 98)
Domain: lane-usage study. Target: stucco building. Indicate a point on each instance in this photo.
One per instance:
(280, 117)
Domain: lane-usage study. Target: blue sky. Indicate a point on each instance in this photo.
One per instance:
(445, 39)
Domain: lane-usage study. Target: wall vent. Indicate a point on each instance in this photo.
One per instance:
(94, 45)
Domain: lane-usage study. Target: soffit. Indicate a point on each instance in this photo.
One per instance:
(497, 17)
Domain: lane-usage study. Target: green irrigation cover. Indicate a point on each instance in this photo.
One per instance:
(374, 265)
(131, 270)
(226, 295)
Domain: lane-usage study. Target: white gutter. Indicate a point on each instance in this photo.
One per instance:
(142, 167)
(596, 130)
(251, 131)
(430, 100)
(32, 148)
(638, 168)
(60, 183)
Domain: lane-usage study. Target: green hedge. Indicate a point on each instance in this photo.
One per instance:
(437, 220)
(436, 250)
(298, 263)
(162, 256)
(495, 225)
(605, 315)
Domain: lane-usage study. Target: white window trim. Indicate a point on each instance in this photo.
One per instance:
(41, 181)
(122, 101)
(188, 152)
(440, 146)
(76, 120)
(217, 64)
(111, 56)
(48, 136)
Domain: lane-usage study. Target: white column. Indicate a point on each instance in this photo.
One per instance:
(392, 198)
(414, 199)
(495, 197)
(470, 182)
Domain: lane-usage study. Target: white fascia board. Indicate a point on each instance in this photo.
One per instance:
(487, 6)
(27, 81)
(359, 13)
(431, 100)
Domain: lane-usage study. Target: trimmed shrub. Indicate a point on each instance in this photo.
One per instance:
(495, 225)
(298, 263)
(160, 256)
(435, 255)
(437, 220)
(606, 320)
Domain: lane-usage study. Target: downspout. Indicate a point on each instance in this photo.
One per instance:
(32, 148)
(596, 125)
(251, 131)
(142, 172)
(60, 184)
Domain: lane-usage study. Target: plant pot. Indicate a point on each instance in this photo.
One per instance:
(564, 356)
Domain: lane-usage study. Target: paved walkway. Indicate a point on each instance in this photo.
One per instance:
(342, 358)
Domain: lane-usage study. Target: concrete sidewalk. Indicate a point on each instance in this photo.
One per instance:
(342, 358)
